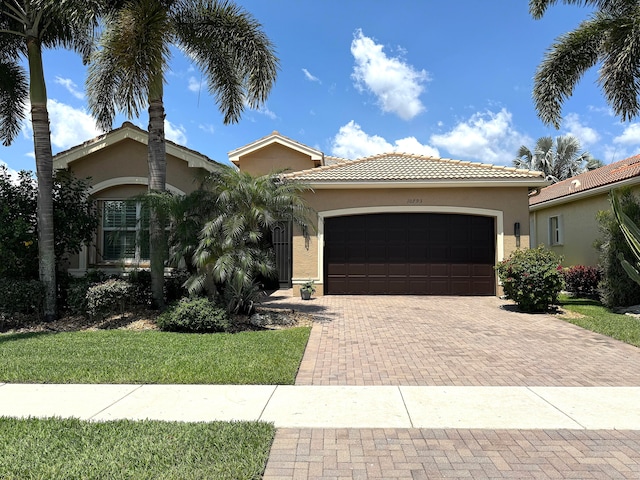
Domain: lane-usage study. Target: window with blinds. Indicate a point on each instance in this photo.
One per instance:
(125, 227)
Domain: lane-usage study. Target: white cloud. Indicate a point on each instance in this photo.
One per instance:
(310, 77)
(396, 84)
(69, 126)
(13, 174)
(70, 86)
(195, 85)
(264, 110)
(586, 135)
(630, 135)
(487, 137)
(352, 142)
(175, 133)
(207, 128)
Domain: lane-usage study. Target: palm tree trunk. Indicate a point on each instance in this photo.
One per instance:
(157, 181)
(44, 173)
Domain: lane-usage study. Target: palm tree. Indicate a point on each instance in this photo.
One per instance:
(128, 73)
(608, 37)
(26, 28)
(558, 158)
(224, 230)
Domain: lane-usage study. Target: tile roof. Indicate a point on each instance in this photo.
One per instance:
(329, 160)
(600, 177)
(128, 125)
(401, 167)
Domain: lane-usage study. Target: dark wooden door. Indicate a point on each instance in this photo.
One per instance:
(410, 253)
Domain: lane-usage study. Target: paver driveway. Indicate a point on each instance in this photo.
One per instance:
(453, 341)
(387, 340)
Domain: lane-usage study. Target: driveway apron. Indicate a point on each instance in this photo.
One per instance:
(453, 341)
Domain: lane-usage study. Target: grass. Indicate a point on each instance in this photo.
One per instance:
(598, 318)
(75, 449)
(118, 356)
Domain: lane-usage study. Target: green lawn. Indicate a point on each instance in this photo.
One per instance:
(119, 356)
(599, 319)
(74, 449)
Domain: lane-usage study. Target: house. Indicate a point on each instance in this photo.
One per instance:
(386, 224)
(563, 215)
(116, 163)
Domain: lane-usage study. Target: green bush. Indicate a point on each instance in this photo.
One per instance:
(617, 289)
(582, 280)
(77, 288)
(111, 296)
(194, 315)
(140, 281)
(174, 288)
(532, 278)
(21, 296)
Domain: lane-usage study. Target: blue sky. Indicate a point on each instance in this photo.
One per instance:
(445, 78)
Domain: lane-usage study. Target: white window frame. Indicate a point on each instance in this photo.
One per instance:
(138, 229)
(556, 230)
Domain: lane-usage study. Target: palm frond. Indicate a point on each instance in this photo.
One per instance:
(230, 48)
(563, 66)
(14, 91)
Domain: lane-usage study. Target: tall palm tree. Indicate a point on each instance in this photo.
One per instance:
(128, 73)
(558, 158)
(27, 27)
(608, 37)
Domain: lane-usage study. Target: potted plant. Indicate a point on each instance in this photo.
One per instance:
(306, 289)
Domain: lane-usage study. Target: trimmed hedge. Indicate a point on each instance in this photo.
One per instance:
(194, 315)
(21, 296)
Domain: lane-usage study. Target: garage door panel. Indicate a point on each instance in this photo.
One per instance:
(438, 254)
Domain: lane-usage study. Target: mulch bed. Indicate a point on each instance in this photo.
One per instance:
(144, 319)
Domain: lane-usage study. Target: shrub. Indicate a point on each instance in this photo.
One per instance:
(582, 280)
(532, 278)
(77, 288)
(194, 315)
(107, 297)
(617, 289)
(21, 296)
(140, 281)
(174, 285)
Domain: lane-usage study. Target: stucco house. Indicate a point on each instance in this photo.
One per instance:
(563, 215)
(387, 224)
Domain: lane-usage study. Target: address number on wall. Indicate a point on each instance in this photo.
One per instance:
(414, 201)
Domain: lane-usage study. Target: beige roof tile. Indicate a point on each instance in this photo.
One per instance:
(401, 167)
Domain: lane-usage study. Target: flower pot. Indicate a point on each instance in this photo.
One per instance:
(305, 294)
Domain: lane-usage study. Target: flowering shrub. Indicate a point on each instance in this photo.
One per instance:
(582, 281)
(532, 278)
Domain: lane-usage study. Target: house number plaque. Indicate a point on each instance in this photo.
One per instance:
(414, 201)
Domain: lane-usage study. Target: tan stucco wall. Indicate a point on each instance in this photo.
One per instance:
(579, 228)
(274, 157)
(128, 158)
(512, 202)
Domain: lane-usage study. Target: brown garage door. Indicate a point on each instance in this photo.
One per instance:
(409, 253)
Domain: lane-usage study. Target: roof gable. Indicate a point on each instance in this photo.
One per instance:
(275, 138)
(406, 168)
(593, 181)
(129, 131)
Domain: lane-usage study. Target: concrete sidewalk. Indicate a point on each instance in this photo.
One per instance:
(437, 407)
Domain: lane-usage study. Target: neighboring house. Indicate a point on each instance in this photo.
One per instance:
(387, 224)
(563, 215)
(116, 164)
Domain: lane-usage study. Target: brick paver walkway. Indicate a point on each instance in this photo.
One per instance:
(453, 341)
(431, 454)
(463, 341)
